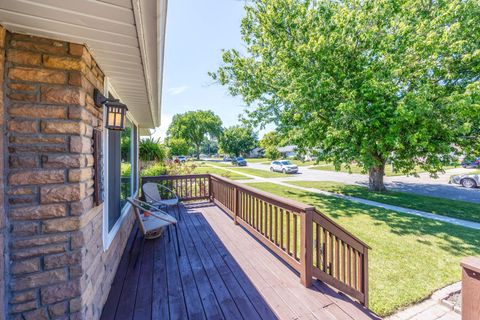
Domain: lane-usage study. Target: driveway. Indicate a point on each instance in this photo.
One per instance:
(424, 184)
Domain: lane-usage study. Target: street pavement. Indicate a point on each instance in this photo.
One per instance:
(423, 184)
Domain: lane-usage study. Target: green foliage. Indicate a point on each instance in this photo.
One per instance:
(151, 150)
(125, 169)
(238, 140)
(365, 81)
(209, 146)
(195, 126)
(177, 146)
(270, 142)
(156, 169)
(125, 144)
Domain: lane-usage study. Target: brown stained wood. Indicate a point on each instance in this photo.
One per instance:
(281, 229)
(270, 219)
(289, 249)
(295, 237)
(267, 214)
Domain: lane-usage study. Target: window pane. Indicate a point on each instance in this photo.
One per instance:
(127, 166)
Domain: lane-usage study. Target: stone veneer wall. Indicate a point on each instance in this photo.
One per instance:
(3, 229)
(58, 268)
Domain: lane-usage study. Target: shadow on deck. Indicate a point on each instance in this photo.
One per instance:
(222, 273)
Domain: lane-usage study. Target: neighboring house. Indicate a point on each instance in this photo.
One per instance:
(64, 221)
(256, 153)
(289, 151)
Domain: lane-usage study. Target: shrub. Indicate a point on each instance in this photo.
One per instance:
(156, 169)
(151, 150)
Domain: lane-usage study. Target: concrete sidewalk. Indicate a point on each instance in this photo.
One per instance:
(427, 215)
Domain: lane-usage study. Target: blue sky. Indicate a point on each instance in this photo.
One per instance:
(197, 31)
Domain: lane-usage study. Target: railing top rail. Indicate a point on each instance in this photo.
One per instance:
(266, 195)
(173, 177)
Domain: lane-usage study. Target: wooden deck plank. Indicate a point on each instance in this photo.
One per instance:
(307, 303)
(126, 302)
(227, 305)
(110, 308)
(240, 298)
(176, 301)
(209, 301)
(160, 294)
(143, 301)
(192, 298)
(254, 296)
(222, 273)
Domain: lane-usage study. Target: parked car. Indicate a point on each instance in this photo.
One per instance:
(227, 158)
(182, 159)
(239, 161)
(469, 180)
(284, 166)
(471, 163)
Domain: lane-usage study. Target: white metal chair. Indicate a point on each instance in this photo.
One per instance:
(160, 196)
(152, 224)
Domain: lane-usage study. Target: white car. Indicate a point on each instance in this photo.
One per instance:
(284, 166)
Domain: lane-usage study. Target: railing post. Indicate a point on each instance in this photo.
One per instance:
(236, 205)
(210, 191)
(306, 246)
(365, 277)
(470, 288)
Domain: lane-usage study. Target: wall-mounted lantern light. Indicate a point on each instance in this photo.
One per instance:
(115, 111)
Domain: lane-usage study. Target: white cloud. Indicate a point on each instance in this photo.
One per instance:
(161, 132)
(177, 90)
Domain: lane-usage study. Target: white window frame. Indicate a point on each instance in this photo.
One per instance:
(109, 235)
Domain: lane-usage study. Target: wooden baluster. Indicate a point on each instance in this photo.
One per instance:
(337, 258)
(324, 253)
(317, 244)
(355, 278)
(281, 229)
(330, 260)
(365, 276)
(276, 226)
(270, 219)
(288, 233)
(295, 239)
(306, 247)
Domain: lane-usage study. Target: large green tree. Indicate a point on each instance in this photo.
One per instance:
(270, 143)
(365, 81)
(177, 146)
(194, 127)
(238, 140)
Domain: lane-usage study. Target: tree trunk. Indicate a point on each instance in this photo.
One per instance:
(198, 151)
(375, 178)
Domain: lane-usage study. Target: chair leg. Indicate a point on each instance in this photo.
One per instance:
(178, 242)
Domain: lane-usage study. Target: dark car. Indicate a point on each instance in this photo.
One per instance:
(239, 161)
(471, 163)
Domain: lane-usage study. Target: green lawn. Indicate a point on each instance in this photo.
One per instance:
(445, 207)
(411, 256)
(258, 160)
(220, 164)
(220, 172)
(356, 169)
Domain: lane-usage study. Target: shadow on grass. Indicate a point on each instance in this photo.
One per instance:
(458, 241)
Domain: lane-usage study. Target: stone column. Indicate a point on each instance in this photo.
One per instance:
(50, 120)
(3, 229)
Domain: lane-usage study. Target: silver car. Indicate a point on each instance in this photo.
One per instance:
(284, 166)
(468, 180)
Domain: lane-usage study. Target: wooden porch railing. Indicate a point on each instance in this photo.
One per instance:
(304, 238)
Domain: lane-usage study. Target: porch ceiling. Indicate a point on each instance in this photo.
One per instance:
(126, 38)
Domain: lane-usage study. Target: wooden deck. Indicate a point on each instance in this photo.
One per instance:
(222, 273)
